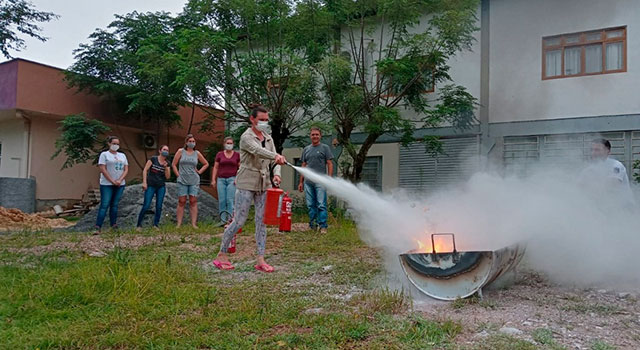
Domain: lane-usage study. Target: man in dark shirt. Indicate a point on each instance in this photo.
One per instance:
(318, 157)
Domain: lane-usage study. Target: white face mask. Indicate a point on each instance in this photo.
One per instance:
(228, 147)
(262, 126)
(114, 148)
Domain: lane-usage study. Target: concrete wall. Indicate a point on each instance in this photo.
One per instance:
(517, 91)
(18, 193)
(390, 153)
(14, 159)
(72, 183)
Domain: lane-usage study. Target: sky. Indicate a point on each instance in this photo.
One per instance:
(78, 19)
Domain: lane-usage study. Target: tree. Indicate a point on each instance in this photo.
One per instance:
(19, 16)
(81, 139)
(392, 52)
(129, 64)
(268, 53)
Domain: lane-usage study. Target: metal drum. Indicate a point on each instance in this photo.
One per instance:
(454, 275)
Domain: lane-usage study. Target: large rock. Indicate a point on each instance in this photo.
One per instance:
(131, 204)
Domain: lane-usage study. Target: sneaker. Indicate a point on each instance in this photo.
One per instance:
(323, 231)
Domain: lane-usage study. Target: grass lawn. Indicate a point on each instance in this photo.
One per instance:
(159, 290)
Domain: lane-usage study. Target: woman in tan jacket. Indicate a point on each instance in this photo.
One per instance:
(257, 155)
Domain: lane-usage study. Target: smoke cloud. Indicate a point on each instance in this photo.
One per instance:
(578, 231)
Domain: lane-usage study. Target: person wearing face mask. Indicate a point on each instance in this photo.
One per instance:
(185, 166)
(223, 177)
(113, 169)
(156, 171)
(257, 156)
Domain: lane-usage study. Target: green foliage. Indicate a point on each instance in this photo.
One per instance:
(80, 140)
(269, 52)
(381, 86)
(20, 17)
(129, 62)
(636, 171)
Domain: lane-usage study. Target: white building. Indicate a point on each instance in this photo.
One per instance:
(549, 75)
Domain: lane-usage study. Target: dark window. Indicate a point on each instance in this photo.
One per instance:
(372, 172)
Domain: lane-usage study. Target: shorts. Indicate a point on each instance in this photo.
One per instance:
(190, 190)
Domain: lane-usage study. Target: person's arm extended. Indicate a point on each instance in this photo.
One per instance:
(147, 166)
(205, 163)
(176, 159)
(214, 173)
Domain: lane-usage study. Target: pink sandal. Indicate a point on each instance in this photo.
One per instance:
(223, 265)
(264, 268)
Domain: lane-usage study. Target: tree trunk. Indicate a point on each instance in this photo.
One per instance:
(193, 113)
(358, 161)
(280, 133)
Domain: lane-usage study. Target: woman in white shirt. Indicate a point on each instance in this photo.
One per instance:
(113, 169)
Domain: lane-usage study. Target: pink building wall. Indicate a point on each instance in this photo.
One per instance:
(8, 84)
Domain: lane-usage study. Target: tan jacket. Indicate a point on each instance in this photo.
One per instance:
(255, 160)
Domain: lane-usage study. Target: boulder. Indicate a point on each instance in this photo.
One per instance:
(131, 204)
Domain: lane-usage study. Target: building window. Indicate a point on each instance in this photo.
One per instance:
(587, 53)
(372, 172)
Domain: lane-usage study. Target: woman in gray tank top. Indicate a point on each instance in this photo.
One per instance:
(185, 166)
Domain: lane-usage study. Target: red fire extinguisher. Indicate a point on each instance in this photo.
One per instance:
(272, 206)
(232, 245)
(285, 213)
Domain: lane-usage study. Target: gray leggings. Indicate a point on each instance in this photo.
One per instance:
(241, 207)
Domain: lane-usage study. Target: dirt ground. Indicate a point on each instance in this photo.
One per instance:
(15, 219)
(577, 318)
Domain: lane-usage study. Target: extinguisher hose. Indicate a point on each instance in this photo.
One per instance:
(271, 167)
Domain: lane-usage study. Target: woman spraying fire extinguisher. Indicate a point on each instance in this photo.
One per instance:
(257, 154)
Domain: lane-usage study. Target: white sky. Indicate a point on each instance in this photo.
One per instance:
(78, 19)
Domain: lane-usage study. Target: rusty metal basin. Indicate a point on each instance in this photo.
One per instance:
(454, 275)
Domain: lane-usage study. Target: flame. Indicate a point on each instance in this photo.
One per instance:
(441, 245)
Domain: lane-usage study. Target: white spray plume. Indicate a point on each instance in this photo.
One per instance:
(575, 234)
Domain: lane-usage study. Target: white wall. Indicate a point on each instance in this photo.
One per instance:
(517, 91)
(14, 155)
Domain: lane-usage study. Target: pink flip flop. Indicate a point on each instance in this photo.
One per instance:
(223, 265)
(264, 268)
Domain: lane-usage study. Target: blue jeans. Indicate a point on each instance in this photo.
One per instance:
(226, 194)
(316, 197)
(148, 196)
(109, 198)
